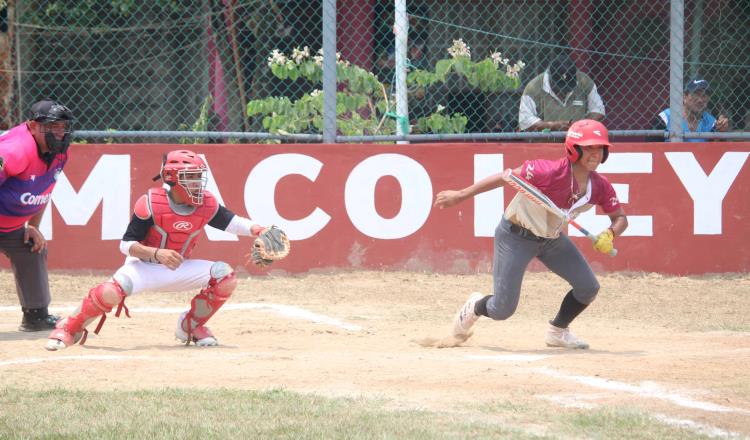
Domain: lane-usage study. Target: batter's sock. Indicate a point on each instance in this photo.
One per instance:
(480, 308)
(569, 309)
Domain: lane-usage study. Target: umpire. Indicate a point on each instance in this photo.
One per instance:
(32, 155)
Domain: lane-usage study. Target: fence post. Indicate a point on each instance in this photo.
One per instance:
(401, 31)
(676, 60)
(329, 71)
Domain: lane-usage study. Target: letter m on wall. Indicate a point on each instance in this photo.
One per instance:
(108, 183)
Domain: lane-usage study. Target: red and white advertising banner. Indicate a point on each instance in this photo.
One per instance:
(370, 206)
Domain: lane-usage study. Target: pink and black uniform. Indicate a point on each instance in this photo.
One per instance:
(527, 230)
(26, 182)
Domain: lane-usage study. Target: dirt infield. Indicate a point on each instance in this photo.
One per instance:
(675, 347)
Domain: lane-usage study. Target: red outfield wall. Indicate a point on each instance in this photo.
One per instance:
(369, 206)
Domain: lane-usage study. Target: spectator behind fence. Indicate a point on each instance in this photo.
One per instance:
(558, 97)
(32, 156)
(695, 117)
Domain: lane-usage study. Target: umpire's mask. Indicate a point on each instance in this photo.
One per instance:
(56, 123)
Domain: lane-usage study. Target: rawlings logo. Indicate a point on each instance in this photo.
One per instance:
(182, 226)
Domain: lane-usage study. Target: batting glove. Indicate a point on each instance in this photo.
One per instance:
(604, 241)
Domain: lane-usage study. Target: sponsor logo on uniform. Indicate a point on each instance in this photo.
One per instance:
(575, 134)
(597, 132)
(613, 201)
(578, 103)
(182, 225)
(30, 199)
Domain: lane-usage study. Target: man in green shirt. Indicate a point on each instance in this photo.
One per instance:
(558, 97)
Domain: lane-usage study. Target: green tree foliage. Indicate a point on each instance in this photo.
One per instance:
(363, 107)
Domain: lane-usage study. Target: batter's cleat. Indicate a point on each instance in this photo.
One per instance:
(201, 335)
(563, 337)
(465, 318)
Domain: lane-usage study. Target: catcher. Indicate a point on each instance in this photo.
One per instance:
(158, 244)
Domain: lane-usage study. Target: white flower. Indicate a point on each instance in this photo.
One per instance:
(459, 49)
(496, 58)
(300, 55)
(277, 57)
(319, 57)
(440, 108)
(514, 70)
(315, 93)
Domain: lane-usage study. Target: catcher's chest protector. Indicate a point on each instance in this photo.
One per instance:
(175, 231)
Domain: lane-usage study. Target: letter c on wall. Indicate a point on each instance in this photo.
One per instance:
(260, 188)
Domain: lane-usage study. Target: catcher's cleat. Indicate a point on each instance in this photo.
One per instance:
(60, 338)
(465, 318)
(37, 324)
(201, 335)
(563, 337)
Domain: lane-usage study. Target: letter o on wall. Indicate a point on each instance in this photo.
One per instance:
(416, 196)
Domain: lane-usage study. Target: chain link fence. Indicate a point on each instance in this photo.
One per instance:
(255, 66)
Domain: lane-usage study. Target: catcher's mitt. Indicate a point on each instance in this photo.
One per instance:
(271, 245)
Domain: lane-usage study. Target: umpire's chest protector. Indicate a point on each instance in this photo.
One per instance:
(175, 231)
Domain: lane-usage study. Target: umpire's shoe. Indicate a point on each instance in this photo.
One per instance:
(37, 320)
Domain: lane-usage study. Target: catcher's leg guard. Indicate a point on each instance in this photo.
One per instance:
(190, 325)
(99, 301)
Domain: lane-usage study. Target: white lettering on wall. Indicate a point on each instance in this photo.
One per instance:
(707, 191)
(488, 206)
(108, 183)
(416, 196)
(260, 188)
(620, 163)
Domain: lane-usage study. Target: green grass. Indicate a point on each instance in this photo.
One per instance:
(178, 413)
(280, 414)
(623, 424)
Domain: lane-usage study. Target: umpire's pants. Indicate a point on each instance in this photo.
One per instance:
(29, 268)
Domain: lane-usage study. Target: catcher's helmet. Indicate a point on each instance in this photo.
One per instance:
(186, 173)
(586, 132)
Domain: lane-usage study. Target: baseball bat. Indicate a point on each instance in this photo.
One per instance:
(532, 193)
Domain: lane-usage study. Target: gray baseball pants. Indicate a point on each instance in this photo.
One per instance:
(29, 268)
(514, 249)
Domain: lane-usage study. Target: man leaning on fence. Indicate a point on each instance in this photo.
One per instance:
(695, 117)
(559, 96)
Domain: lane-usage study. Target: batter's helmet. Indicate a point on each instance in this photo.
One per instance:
(586, 132)
(186, 173)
